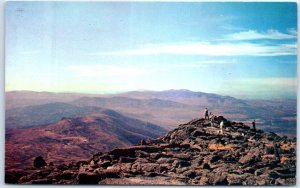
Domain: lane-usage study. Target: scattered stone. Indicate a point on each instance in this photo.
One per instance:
(192, 154)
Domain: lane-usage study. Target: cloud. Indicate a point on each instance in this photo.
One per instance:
(255, 35)
(107, 70)
(200, 64)
(235, 44)
(209, 49)
(292, 31)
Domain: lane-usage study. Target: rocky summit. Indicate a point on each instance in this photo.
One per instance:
(196, 153)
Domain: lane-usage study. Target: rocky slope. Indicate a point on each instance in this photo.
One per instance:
(192, 154)
(73, 139)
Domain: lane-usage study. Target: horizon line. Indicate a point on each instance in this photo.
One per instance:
(241, 96)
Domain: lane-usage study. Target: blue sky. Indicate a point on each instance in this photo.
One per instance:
(246, 50)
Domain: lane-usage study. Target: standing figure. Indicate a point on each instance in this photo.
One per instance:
(206, 114)
(253, 124)
(210, 115)
(211, 118)
(276, 153)
(221, 127)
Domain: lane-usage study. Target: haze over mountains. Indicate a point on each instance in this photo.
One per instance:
(165, 108)
(16, 99)
(45, 113)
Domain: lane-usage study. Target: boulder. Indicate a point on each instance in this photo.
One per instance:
(204, 181)
(165, 160)
(218, 179)
(142, 160)
(62, 167)
(67, 175)
(146, 167)
(286, 182)
(235, 179)
(126, 160)
(157, 155)
(191, 174)
(39, 162)
(182, 156)
(104, 164)
(180, 163)
(88, 178)
(251, 157)
(198, 133)
(205, 165)
(12, 177)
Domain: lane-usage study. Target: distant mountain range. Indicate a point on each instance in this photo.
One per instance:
(186, 97)
(73, 139)
(30, 116)
(17, 99)
(164, 108)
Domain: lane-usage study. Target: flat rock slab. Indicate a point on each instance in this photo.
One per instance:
(142, 181)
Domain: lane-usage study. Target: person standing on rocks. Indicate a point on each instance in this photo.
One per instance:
(210, 115)
(221, 127)
(211, 118)
(206, 114)
(276, 153)
(253, 124)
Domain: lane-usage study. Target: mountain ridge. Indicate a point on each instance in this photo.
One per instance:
(72, 139)
(34, 115)
(195, 153)
(274, 115)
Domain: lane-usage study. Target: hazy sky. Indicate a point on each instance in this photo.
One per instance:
(239, 49)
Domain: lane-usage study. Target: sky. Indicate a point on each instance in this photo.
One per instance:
(246, 50)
